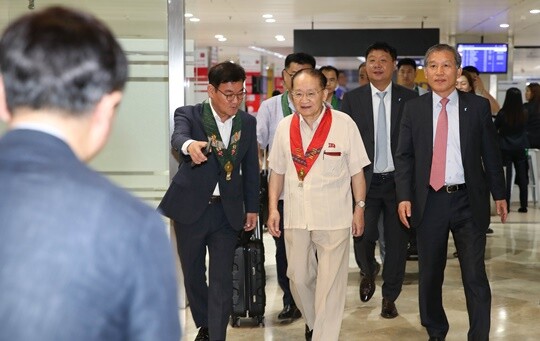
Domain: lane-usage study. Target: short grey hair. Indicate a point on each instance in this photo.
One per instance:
(443, 47)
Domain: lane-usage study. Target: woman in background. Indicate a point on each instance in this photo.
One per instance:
(465, 82)
(532, 95)
(511, 123)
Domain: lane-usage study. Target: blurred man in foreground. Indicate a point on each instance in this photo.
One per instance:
(80, 259)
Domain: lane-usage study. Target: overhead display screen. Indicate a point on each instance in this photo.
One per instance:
(488, 58)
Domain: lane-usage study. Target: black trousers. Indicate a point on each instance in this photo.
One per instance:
(281, 261)
(446, 212)
(519, 159)
(210, 302)
(381, 197)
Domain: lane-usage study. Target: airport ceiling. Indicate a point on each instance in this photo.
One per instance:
(241, 22)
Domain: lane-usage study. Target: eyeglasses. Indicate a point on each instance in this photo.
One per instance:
(297, 95)
(290, 74)
(239, 96)
(294, 73)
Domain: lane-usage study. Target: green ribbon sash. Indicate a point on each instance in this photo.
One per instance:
(226, 156)
(334, 102)
(285, 104)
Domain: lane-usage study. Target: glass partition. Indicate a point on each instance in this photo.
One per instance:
(137, 154)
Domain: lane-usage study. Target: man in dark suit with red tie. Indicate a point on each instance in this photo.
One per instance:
(376, 109)
(447, 163)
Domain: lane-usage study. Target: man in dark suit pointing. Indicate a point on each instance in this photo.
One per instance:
(447, 163)
(214, 194)
(376, 109)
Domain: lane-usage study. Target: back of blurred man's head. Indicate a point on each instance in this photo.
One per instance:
(59, 59)
(62, 68)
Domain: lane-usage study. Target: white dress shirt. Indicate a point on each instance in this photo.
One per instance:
(454, 173)
(388, 110)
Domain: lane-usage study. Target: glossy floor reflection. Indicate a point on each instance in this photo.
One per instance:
(513, 266)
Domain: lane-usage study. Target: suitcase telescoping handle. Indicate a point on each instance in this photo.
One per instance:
(257, 232)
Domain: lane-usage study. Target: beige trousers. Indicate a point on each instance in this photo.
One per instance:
(318, 263)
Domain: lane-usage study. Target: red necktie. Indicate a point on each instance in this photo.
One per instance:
(438, 163)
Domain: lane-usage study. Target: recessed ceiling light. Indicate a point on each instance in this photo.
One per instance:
(194, 19)
(222, 39)
(270, 20)
(534, 11)
(188, 15)
(279, 37)
(262, 50)
(217, 36)
(504, 25)
(267, 16)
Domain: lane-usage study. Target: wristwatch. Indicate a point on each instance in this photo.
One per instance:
(360, 203)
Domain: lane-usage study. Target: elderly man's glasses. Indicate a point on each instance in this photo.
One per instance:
(230, 97)
(298, 95)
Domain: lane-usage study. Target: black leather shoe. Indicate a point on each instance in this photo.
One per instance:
(290, 311)
(367, 288)
(433, 338)
(522, 210)
(388, 310)
(203, 334)
(309, 333)
(489, 230)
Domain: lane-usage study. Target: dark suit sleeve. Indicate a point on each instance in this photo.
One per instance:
(182, 128)
(346, 104)
(187, 126)
(491, 155)
(250, 168)
(404, 158)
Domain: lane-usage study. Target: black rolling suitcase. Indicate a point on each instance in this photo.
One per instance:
(249, 279)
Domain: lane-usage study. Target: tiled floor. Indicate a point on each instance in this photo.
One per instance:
(513, 266)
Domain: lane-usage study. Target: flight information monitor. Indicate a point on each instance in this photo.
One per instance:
(486, 57)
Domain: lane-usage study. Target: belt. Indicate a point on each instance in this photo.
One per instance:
(383, 176)
(452, 188)
(214, 199)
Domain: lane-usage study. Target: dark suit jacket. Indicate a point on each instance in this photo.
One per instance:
(187, 197)
(78, 252)
(358, 104)
(479, 154)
